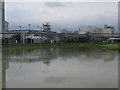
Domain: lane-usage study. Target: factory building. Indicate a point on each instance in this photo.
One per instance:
(90, 29)
(108, 29)
(46, 26)
(86, 29)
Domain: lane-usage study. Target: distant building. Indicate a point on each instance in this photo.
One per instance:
(86, 29)
(90, 29)
(65, 31)
(46, 26)
(108, 29)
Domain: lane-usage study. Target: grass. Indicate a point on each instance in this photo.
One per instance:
(108, 46)
(114, 46)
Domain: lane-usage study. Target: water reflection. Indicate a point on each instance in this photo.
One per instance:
(48, 54)
(61, 67)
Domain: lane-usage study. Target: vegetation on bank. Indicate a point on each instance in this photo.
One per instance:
(114, 46)
(62, 45)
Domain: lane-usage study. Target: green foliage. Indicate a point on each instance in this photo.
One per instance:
(114, 46)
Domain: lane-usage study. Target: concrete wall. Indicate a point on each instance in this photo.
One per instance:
(105, 29)
(85, 29)
(0, 68)
(1, 28)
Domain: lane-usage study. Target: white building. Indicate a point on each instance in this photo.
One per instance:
(86, 29)
(90, 29)
(107, 29)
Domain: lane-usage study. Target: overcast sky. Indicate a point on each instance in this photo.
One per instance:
(69, 15)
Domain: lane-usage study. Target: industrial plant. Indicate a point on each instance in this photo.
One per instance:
(46, 35)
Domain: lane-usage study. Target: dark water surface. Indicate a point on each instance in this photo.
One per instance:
(61, 68)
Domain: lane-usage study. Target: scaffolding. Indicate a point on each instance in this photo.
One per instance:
(46, 26)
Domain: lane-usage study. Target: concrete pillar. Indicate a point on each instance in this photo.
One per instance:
(0, 68)
(2, 16)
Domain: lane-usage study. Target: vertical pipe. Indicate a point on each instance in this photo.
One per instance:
(29, 26)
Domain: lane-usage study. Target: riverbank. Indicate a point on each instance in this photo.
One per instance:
(63, 45)
(114, 46)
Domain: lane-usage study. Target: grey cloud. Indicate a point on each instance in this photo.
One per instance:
(70, 16)
(54, 4)
(45, 12)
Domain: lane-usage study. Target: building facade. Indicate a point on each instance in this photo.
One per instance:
(108, 29)
(90, 29)
(86, 29)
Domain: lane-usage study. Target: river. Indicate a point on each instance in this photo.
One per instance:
(60, 68)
